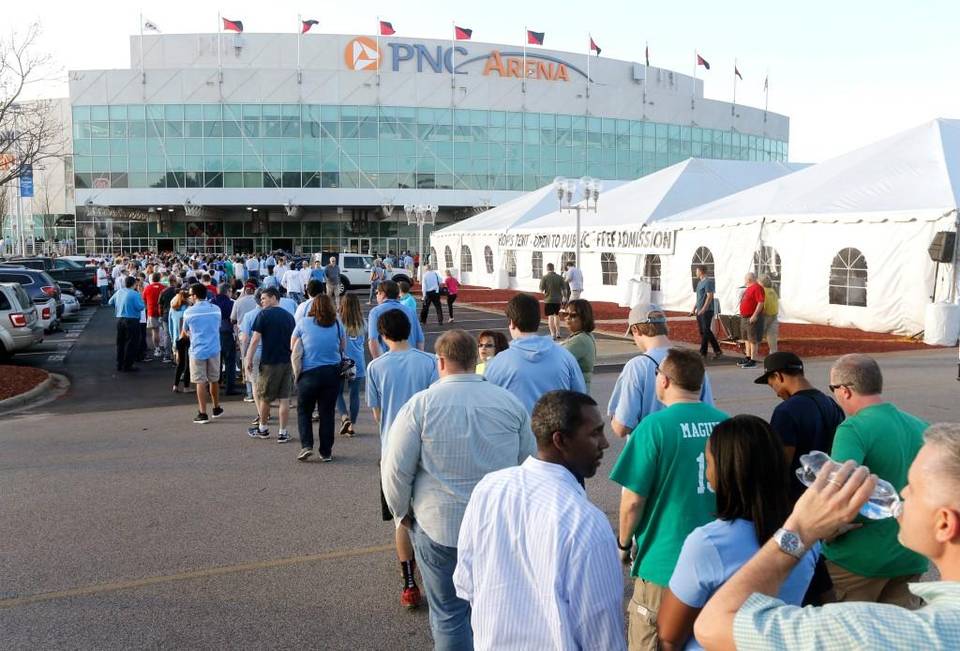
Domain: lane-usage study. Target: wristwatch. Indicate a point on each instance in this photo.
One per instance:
(790, 543)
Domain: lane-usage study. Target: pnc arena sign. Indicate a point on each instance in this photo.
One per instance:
(363, 53)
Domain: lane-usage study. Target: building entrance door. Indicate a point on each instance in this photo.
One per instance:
(243, 245)
(358, 245)
(165, 246)
(284, 243)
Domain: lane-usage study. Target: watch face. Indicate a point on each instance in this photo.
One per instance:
(789, 542)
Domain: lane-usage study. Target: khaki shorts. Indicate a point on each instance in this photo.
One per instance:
(153, 322)
(274, 382)
(642, 616)
(205, 371)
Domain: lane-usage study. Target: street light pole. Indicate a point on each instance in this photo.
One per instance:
(421, 214)
(565, 189)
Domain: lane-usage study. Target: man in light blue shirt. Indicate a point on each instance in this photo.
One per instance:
(388, 295)
(634, 395)
(430, 286)
(201, 322)
(128, 305)
(392, 379)
(533, 365)
(442, 443)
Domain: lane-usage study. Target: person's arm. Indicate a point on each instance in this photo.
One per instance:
(374, 348)
(674, 622)
(759, 309)
(401, 457)
(707, 303)
(594, 575)
(631, 511)
(251, 350)
(619, 428)
(819, 513)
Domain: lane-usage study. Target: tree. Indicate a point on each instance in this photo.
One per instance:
(30, 132)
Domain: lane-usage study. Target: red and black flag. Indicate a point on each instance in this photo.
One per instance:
(386, 28)
(534, 38)
(307, 24)
(462, 33)
(594, 47)
(703, 62)
(232, 25)
(736, 71)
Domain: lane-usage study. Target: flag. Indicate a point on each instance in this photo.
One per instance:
(736, 71)
(386, 29)
(766, 82)
(594, 47)
(150, 26)
(646, 53)
(233, 25)
(462, 33)
(307, 24)
(534, 38)
(703, 62)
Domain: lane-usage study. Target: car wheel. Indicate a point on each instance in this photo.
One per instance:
(5, 354)
(344, 287)
(400, 278)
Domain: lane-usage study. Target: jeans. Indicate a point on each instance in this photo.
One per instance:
(704, 323)
(317, 391)
(451, 299)
(449, 614)
(228, 360)
(431, 298)
(374, 285)
(182, 374)
(128, 343)
(297, 296)
(104, 294)
(354, 385)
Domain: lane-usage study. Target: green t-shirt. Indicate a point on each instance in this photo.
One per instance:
(886, 440)
(663, 461)
(551, 285)
(583, 347)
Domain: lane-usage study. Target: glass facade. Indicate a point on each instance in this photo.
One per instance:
(340, 146)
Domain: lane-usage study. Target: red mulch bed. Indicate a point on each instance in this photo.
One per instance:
(15, 380)
(804, 339)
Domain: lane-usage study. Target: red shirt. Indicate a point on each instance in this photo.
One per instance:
(752, 297)
(212, 289)
(151, 296)
(452, 285)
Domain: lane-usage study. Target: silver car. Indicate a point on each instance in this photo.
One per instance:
(20, 328)
(71, 306)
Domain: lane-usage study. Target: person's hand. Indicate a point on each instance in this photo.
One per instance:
(830, 503)
(626, 555)
(406, 521)
(249, 367)
(753, 319)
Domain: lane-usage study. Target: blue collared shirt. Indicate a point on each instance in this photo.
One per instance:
(393, 378)
(127, 303)
(445, 440)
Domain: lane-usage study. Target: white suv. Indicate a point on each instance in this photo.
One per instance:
(19, 326)
(355, 269)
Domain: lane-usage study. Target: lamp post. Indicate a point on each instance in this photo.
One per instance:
(421, 214)
(565, 189)
(387, 209)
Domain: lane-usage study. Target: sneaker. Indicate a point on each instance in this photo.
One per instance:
(410, 598)
(201, 419)
(718, 354)
(255, 433)
(345, 426)
(748, 364)
(256, 420)
(217, 412)
(304, 454)
(248, 398)
(327, 459)
(283, 437)
(263, 434)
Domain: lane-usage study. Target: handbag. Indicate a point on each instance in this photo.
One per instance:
(347, 367)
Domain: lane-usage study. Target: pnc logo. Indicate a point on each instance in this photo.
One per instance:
(361, 53)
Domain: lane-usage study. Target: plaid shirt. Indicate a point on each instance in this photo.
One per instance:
(767, 623)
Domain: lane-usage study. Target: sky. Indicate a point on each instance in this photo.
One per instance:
(846, 72)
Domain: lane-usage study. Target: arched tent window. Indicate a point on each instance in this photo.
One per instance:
(434, 258)
(488, 258)
(536, 264)
(651, 271)
(510, 262)
(702, 257)
(466, 258)
(848, 278)
(448, 257)
(608, 268)
(766, 262)
(565, 257)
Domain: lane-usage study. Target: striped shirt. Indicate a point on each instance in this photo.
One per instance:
(766, 623)
(442, 442)
(538, 563)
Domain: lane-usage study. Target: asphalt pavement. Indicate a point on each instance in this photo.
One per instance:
(126, 525)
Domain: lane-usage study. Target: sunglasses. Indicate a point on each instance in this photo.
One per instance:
(659, 372)
(834, 387)
(486, 346)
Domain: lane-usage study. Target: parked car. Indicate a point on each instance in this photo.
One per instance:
(82, 276)
(355, 269)
(42, 290)
(71, 306)
(71, 289)
(19, 326)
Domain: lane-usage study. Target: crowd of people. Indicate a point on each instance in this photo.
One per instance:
(486, 444)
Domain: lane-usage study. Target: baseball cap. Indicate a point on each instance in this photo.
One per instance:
(779, 361)
(645, 313)
(250, 285)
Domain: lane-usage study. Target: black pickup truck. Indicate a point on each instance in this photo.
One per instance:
(83, 278)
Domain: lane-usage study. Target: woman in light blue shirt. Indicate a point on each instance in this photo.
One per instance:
(746, 468)
(356, 335)
(318, 385)
(181, 345)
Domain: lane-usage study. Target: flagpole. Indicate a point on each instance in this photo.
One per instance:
(378, 58)
(589, 36)
(453, 57)
(143, 75)
(299, 38)
(219, 57)
(646, 75)
(453, 102)
(523, 75)
(693, 91)
(766, 94)
(733, 107)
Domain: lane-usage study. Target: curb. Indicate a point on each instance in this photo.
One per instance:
(28, 396)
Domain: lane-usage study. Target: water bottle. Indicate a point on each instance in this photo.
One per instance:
(884, 503)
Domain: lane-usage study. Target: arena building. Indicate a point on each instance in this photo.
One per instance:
(223, 143)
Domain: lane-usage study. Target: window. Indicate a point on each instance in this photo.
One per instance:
(488, 258)
(434, 258)
(510, 263)
(448, 257)
(536, 263)
(565, 257)
(651, 271)
(702, 257)
(766, 262)
(848, 279)
(466, 258)
(608, 268)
